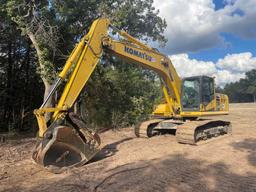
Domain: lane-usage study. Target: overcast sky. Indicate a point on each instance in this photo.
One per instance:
(210, 37)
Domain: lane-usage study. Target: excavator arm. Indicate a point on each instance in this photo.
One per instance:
(89, 52)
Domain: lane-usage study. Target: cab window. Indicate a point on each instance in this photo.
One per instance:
(190, 94)
(207, 90)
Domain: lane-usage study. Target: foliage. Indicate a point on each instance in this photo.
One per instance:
(18, 78)
(120, 97)
(244, 90)
(36, 39)
(35, 20)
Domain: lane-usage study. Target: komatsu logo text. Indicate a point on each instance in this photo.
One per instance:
(139, 54)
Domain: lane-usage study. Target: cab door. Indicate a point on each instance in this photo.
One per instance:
(207, 94)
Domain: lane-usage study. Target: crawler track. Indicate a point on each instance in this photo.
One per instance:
(201, 131)
(145, 129)
(190, 132)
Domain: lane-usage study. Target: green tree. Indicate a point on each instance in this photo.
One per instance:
(251, 78)
(35, 20)
(18, 78)
(54, 26)
(117, 93)
(244, 90)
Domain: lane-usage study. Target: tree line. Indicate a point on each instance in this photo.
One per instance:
(243, 90)
(36, 38)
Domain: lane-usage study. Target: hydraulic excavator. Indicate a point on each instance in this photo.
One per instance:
(64, 139)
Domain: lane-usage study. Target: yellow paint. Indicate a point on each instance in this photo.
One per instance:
(39, 113)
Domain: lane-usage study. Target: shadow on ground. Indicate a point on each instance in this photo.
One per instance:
(165, 131)
(173, 173)
(109, 150)
(249, 146)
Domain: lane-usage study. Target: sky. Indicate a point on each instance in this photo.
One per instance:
(210, 37)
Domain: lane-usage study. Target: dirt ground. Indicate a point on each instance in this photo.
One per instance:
(127, 163)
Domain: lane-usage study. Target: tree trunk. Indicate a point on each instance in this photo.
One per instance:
(47, 85)
(8, 103)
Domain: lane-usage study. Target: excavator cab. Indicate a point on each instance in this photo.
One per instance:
(198, 93)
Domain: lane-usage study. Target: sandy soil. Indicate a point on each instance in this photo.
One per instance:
(127, 163)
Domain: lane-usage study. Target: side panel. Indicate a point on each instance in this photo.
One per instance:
(222, 102)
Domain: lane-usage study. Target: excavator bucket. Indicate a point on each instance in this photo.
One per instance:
(64, 146)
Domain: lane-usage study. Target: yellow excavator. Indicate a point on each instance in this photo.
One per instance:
(64, 139)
